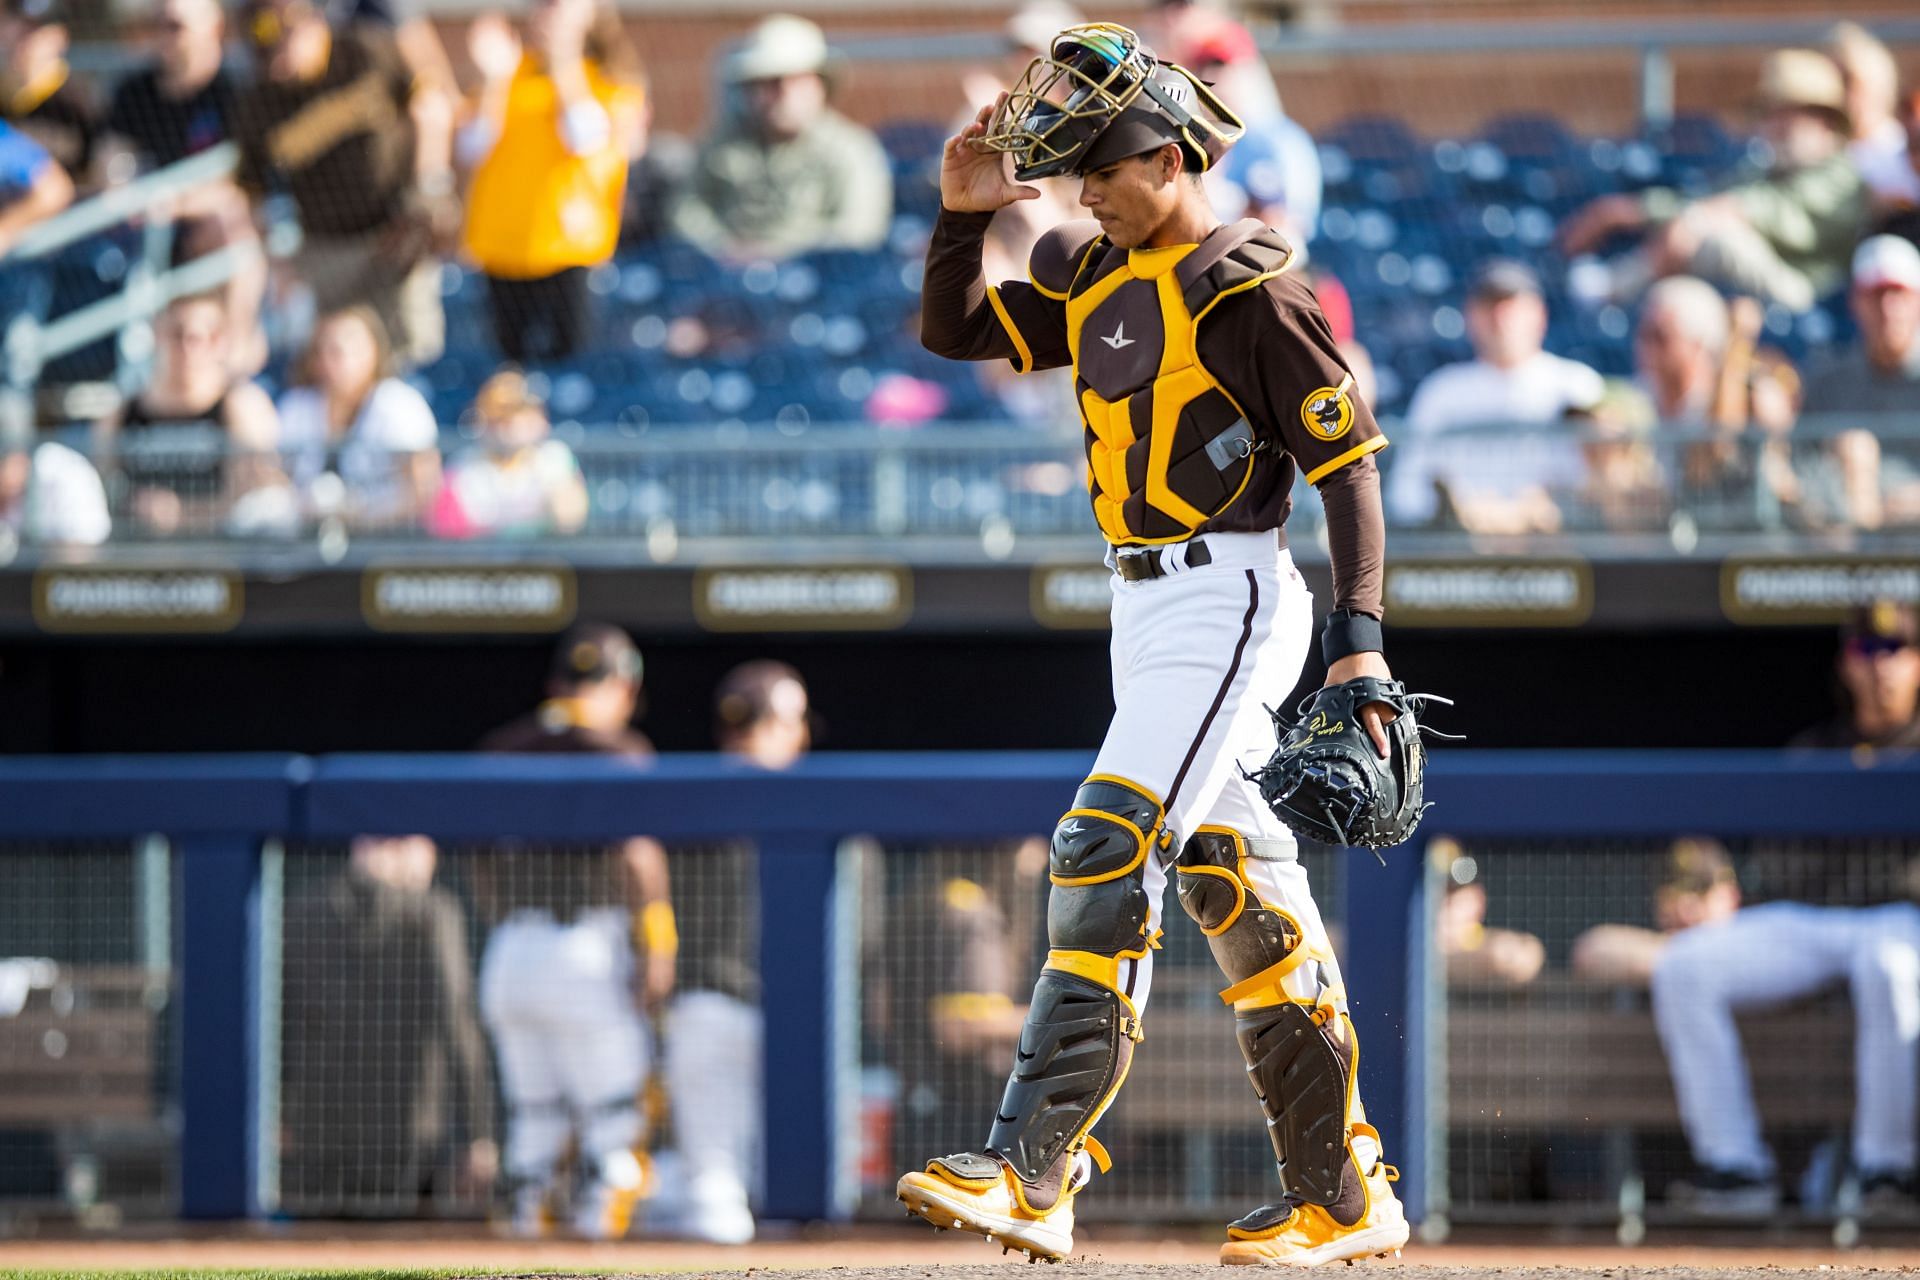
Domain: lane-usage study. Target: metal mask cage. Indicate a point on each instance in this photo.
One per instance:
(1062, 101)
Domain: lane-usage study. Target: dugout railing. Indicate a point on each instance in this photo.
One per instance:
(218, 815)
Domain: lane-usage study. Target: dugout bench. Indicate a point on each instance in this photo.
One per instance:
(82, 1057)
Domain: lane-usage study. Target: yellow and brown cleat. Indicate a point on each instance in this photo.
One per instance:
(977, 1192)
(1293, 1234)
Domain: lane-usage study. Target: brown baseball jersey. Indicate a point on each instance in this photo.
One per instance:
(1206, 377)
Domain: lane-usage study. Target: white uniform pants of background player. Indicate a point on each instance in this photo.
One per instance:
(558, 1001)
(1769, 955)
(712, 1063)
(1198, 656)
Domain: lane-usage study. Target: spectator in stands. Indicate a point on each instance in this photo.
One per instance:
(181, 103)
(562, 988)
(1783, 237)
(359, 442)
(1476, 954)
(178, 106)
(549, 143)
(363, 148)
(1625, 489)
(1679, 348)
(1273, 172)
(1697, 887)
(785, 173)
(1903, 218)
(385, 1089)
(761, 720)
(49, 494)
(1513, 382)
(38, 94)
(195, 441)
(412, 31)
(1773, 954)
(1879, 140)
(1882, 374)
(518, 482)
(1879, 674)
(1855, 482)
(33, 186)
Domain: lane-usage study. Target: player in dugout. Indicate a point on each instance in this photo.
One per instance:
(1206, 376)
(581, 951)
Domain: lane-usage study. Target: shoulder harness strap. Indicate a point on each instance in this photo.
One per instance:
(1232, 260)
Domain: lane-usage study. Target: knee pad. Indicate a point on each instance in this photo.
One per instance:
(1249, 939)
(1097, 863)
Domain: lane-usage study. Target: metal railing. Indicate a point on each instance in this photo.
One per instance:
(1835, 482)
(151, 283)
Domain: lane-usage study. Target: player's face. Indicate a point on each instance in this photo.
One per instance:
(1882, 675)
(1131, 198)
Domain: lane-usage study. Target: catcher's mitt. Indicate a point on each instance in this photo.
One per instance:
(1327, 782)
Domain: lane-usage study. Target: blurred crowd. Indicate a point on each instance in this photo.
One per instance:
(368, 166)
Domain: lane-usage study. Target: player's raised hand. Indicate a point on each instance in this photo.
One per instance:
(973, 179)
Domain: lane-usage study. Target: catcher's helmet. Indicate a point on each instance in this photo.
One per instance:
(1100, 96)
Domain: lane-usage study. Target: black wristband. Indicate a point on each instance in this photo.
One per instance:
(1348, 633)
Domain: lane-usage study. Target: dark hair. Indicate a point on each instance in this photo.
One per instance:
(745, 695)
(609, 47)
(383, 365)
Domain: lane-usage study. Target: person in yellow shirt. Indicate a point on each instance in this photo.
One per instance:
(559, 117)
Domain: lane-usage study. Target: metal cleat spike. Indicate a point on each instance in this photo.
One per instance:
(958, 1223)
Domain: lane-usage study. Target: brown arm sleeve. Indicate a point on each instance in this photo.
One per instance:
(963, 318)
(1356, 535)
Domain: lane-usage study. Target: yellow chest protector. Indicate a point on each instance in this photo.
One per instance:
(1167, 447)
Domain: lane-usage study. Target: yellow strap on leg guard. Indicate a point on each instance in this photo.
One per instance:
(1264, 988)
(1101, 1160)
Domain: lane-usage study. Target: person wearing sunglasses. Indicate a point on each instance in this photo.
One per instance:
(1879, 673)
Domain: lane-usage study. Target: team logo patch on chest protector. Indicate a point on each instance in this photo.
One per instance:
(1167, 447)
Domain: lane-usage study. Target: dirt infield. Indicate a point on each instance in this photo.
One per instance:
(907, 1254)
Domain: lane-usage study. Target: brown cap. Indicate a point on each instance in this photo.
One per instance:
(1883, 620)
(1802, 78)
(1695, 864)
(756, 691)
(592, 652)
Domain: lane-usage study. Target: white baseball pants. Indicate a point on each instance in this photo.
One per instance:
(712, 1061)
(1198, 656)
(558, 1001)
(1769, 955)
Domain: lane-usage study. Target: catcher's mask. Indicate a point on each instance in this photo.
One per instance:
(1098, 96)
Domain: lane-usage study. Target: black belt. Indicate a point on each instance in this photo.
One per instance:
(1142, 564)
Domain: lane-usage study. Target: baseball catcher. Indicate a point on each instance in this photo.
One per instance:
(1206, 379)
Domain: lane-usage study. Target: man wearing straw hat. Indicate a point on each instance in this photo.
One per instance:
(785, 172)
(1783, 237)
